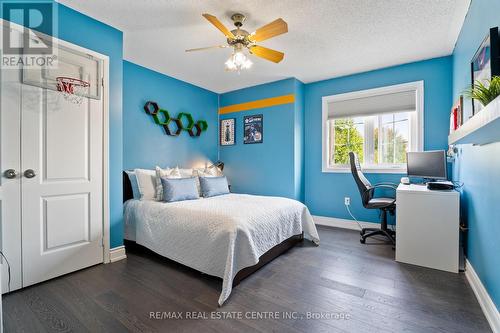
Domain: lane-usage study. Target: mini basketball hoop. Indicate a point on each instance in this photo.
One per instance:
(74, 90)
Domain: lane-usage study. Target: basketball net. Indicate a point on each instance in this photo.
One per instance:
(73, 90)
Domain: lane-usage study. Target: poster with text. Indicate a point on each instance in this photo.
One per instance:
(253, 128)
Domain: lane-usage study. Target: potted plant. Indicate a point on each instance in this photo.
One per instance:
(484, 91)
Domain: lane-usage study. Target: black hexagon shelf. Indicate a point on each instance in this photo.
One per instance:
(186, 120)
(151, 108)
(162, 117)
(202, 124)
(170, 131)
(195, 131)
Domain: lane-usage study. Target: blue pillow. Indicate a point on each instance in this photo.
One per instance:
(178, 189)
(212, 186)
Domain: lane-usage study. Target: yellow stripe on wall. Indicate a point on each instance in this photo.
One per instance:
(261, 103)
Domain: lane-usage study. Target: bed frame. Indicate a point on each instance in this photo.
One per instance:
(267, 257)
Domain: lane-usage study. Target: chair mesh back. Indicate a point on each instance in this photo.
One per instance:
(363, 184)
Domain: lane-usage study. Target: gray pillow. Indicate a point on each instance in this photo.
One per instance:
(212, 186)
(178, 189)
(133, 182)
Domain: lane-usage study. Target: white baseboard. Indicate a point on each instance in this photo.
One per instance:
(489, 309)
(117, 253)
(342, 223)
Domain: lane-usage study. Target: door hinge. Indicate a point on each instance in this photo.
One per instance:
(102, 81)
(102, 242)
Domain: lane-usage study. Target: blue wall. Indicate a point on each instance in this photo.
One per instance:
(478, 167)
(325, 192)
(268, 168)
(102, 38)
(145, 143)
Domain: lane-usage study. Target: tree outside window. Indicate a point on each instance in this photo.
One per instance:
(377, 140)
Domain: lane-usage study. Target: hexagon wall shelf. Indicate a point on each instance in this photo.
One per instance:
(195, 131)
(174, 126)
(186, 120)
(203, 125)
(151, 108)
(169, 130)
(162, 117)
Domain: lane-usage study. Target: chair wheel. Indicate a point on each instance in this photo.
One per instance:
(362, 240)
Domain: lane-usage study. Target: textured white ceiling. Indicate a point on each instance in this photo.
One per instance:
(326, 38)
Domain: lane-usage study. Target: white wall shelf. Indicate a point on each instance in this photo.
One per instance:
(482, 128)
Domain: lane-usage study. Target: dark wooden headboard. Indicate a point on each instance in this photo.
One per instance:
(127, 188)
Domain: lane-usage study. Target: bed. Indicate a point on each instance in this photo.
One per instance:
(228, 236)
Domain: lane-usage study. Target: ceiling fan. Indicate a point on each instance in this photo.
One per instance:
(241, 40)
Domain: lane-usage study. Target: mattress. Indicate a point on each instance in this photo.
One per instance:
(220, 235)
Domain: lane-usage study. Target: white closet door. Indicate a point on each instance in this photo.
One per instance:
(62, 200)
(10, 185)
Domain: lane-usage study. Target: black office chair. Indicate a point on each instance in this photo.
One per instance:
(384, 204)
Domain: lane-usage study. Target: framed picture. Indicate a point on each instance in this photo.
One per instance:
(253, 129)
(486, 62)
(227, 132)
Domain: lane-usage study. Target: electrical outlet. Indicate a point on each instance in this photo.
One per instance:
(347, 201)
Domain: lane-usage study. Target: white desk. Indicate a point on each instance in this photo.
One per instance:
(427, 227)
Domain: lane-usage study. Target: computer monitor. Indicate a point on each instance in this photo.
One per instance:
(428, 164)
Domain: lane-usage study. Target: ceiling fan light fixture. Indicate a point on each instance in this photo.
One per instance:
(240, 39)
(238, 61)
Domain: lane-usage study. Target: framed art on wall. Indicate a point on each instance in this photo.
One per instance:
(486, 63)
(253, 129)
(227, 132)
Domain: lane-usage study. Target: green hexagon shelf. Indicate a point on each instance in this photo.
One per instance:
(203, 125)
(188, 122)
(162, 117)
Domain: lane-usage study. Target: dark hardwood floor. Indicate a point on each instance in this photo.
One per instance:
(347, 286)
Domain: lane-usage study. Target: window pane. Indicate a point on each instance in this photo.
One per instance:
(348, 136)
(402, 132)
(393, 141)
(385, 144)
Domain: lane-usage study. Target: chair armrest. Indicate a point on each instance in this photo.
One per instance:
(390, 186)
(393, 185)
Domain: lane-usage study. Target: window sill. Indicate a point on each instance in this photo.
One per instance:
(366, 170)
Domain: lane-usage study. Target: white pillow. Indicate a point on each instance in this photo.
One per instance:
(146, 183)
(133, 182)
(164, 173)
(187, 173)
(204, 173)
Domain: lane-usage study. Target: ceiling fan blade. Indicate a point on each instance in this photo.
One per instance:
(275, 28)
(218, 24)
(207, 48)
(268, 54)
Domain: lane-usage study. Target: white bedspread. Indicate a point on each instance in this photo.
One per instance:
(221, 235)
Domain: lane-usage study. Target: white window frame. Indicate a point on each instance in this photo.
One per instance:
(416, 138)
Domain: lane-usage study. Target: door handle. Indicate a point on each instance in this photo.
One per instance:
(10, 174)
(30, 173)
